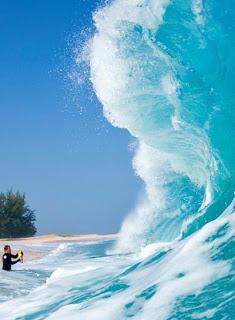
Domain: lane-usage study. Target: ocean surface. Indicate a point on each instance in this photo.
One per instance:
(165, 71)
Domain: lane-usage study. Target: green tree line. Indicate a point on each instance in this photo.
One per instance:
(16, 218)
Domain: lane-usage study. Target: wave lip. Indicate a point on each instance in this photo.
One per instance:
(151, 68)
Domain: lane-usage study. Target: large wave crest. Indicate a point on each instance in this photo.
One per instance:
(159, 70)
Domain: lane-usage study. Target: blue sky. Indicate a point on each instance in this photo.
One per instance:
(56, 146)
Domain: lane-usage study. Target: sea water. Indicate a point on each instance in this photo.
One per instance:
(163, 70)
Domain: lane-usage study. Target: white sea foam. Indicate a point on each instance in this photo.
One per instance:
(153, 248)
(197, 6)
(178, 275)
(61, 273)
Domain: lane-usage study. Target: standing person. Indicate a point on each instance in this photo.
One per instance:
(7, 258)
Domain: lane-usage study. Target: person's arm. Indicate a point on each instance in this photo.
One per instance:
(14, 262)
(14, 256)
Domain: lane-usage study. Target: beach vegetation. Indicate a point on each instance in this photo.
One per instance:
(16, 217)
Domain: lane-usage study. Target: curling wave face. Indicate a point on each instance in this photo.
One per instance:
(164, 71)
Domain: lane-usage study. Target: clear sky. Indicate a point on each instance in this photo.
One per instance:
(56, 146)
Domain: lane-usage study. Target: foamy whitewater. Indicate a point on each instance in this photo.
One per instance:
(163, 70)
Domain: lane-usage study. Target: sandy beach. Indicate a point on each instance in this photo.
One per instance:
(30, 254)
(59, 238)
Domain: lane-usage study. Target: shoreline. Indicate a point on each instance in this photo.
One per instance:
(60, 238)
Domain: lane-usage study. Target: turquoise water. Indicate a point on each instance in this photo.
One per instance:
(164, 71)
